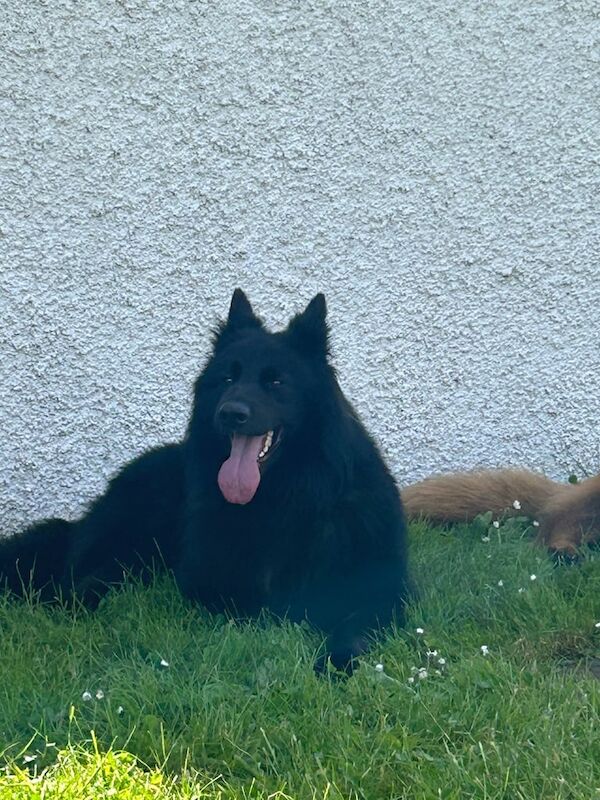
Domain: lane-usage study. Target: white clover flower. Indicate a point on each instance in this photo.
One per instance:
(535, 523)
(379, 667)
(517, 505)
(597, 625)
(431, 653)
(164, 663)
(485, 538)
(442, 662)
(86, 697)
(420, 631)
(533, 577)
(411, 679)
(521, 590)
(496, 524)
(120, 710)
(500, 582)
(99, 695)
(422, 674)
(485, 650)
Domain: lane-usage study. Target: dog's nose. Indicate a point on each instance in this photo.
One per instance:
(233, 414)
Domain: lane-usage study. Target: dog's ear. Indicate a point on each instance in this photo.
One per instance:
(240, 316)
(308, 331)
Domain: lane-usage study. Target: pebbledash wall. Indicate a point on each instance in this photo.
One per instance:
(433, 167)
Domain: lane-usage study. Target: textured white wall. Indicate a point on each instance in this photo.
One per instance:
(433, 167)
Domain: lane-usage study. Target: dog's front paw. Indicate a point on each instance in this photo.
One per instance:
(339, 664)
(341, 657)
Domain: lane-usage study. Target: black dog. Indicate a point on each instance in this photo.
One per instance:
(276, 499)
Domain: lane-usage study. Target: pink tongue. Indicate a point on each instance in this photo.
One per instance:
(239, 476)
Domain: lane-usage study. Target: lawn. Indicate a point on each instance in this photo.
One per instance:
(488, 692)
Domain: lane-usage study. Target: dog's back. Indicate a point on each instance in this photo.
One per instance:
(460, 496)
(569, 515)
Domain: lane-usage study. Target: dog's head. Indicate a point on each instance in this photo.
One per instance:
(259, 389)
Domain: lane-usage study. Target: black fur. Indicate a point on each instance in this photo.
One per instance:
(322, 537)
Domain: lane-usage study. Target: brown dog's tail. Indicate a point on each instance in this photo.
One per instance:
(461, 496)
(569, 515)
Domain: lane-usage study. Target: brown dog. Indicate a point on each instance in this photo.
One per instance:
(569, 514)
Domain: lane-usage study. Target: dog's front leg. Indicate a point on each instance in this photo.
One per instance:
(351, 607)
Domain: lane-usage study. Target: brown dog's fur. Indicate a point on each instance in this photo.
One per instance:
(569, 514)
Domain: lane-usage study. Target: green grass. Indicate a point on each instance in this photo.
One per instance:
(238, 713)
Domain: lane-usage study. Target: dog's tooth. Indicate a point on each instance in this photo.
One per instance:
(268, 441)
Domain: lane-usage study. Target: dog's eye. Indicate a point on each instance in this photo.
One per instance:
(270, 378)
(233, 372)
